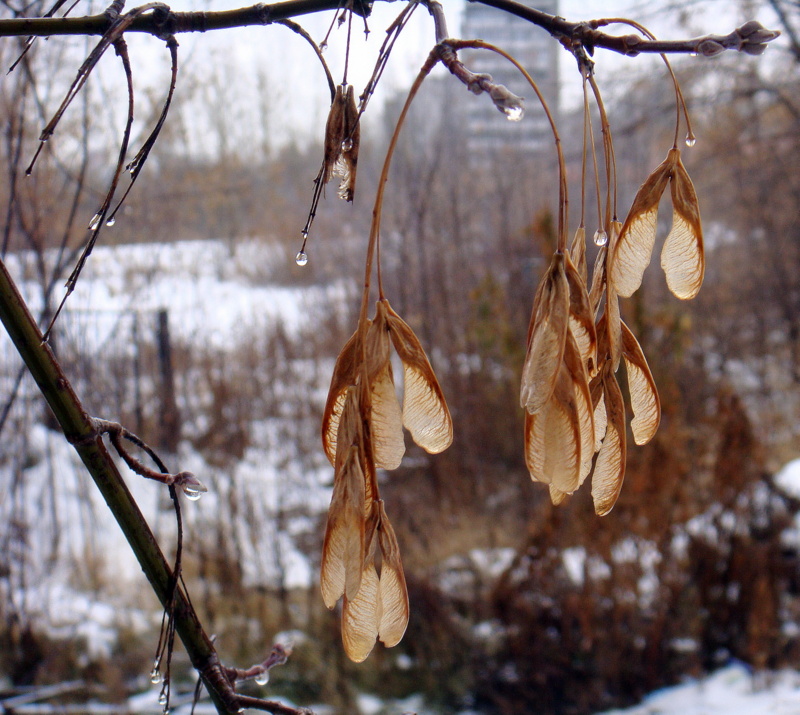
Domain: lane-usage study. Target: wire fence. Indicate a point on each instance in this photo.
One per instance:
(119, 362)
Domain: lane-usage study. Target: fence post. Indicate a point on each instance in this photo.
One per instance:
(170, 419)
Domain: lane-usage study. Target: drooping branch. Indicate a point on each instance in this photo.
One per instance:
(750, 38)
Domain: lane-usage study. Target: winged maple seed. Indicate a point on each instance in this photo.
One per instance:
(362, 430)
(360, 555)
(580, 411)
(380, 610)
(424, 413)
(342, 139)
(682, 256)
(559, 424)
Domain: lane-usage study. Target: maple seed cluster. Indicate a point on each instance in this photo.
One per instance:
(362, 431)
(574, 405)
(575, 411)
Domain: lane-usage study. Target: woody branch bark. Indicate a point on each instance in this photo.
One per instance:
(750, 38)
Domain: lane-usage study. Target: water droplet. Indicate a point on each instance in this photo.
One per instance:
(323, 46)
(263, 678)
(193, 492)
(347, 145)
(691, 140)
(95, 222)
(162, 699)
(111, 221)
(301, 259)
(692, 54)
(600, 237)
(155, 676)
(515, 113)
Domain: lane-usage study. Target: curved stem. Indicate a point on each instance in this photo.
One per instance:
(611, 161)
(374, 232)
(563, 200)
(680, 102)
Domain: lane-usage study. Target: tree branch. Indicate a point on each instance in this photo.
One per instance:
(81, 431)
(750, 38)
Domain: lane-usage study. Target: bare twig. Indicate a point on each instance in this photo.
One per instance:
(750, 38)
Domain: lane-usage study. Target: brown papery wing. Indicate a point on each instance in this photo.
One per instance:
(343, 547)
(344, 376)
(645, 403)
(581, 317)
(425, 412)
(609, 469)
(393, 593)
(634, 247)
(683, 255)
(553, 439)
(361, 616)
(548, 335)
(387, 419)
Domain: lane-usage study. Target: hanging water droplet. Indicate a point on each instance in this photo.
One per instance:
(193, 492)
(155, 676)
(162, 699)
(692, 54)
(515, 113)
(301, 259)
(600, 237)
(111, 221)
(95, 222)
(347, 145)
(263, 678)
(691, 140)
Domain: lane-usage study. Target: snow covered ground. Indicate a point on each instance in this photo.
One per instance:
(216, 292)
(734, 690)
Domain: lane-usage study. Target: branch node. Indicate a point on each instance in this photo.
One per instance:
(264, 13)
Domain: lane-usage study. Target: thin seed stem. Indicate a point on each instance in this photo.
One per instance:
(375, 228)
(563, 199)
(680, 102)
(586, 128)
(608, 149)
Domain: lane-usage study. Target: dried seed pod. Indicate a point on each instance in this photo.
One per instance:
(387, 418)
(645, 403)
(577, 252)
(344, 376)
(683, 256)
(635, 244)
(380, 608)
(581, 318)
(609, 469)
(425, 412)
(342, 140)
(546, 337)
(343, 547)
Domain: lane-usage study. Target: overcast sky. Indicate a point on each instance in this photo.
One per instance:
(298, 83)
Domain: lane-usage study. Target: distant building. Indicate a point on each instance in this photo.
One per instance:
(537, 51)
